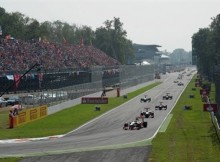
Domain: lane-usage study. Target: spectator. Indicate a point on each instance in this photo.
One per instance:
(16, 55)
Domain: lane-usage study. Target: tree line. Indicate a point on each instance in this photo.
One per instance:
(110, 38)
(206, 49)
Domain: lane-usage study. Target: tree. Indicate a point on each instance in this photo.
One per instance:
(32, 30)
(112, 40)
(215, 28)
(68, 33)
(12, 24)
(201, 43)
(84, 34)
(45, 30)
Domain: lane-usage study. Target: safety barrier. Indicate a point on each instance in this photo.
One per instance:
(60, 86)
(28, 115)
(215, 123)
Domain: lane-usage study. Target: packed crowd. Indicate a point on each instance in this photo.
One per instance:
(16, 55)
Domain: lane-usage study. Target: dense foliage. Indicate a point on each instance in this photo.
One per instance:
(111, 38)
(206, 52)
(206, 48)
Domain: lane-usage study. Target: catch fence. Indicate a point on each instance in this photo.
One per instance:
(55, 86)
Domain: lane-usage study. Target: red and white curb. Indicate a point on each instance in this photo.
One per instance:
(22, 140)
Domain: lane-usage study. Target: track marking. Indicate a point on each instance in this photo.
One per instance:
(118, 146)
(166, 123)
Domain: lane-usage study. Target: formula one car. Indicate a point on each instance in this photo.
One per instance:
(145, 99)
(167, 97)
(160, 106)
(157, 76)
(180, 84)
(137, 124)
(180, 76)
(147, 113)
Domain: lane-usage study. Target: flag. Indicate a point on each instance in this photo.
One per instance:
(64, 40)
(90, 42)
(40, 76)
(10, 77)
(40, 79)
(16, 80)
(32, 76)
(81, 41)
(8, 36)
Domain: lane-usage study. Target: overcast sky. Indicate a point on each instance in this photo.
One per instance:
(168, 23)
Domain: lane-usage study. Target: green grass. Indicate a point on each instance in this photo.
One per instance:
(65, 120)
(190, 136)
(12, 159)
(3, 120)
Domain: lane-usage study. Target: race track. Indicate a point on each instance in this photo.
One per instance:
(105, 132)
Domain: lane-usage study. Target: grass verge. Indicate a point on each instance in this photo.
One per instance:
(12, 159)
(66, 120)
(190, 135)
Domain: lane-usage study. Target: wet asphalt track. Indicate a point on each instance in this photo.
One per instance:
(103, 139)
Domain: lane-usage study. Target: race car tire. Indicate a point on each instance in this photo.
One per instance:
(145, 124)
(126, 126)
(147, 115)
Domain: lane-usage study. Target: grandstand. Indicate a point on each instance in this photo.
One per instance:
(17, 55)
(76, 69)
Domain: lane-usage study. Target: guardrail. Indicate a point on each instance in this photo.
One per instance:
(215, 123)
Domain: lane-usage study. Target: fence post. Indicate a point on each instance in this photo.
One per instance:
(118, 91)
(11, 119)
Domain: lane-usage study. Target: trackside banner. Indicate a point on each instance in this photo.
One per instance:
(210, 107)
(204, 92)
(29, 115)
(94, 100)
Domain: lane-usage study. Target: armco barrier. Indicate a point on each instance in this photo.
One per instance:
(216, 125)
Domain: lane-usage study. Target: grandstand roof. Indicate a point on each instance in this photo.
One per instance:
(145, 51)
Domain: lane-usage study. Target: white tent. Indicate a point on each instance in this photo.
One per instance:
(164, 56)
(145, 63)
